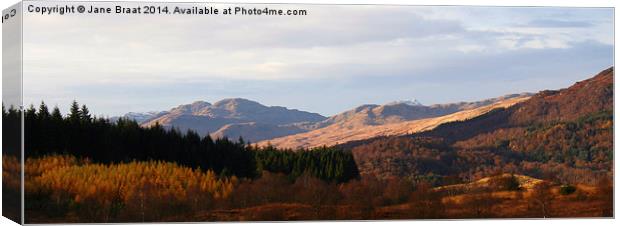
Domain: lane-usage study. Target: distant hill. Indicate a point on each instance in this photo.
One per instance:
(399, 118)
(400, 111)
(237, 117)
(230, 114)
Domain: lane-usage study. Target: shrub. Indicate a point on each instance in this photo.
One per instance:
(567, 189)
(505, 183)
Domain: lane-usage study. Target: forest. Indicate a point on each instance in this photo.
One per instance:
(554, 151)
(81, 135)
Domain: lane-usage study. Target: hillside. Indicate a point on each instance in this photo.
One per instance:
(389, 120)
(401, 111)
(255, 131)
(521, 182)
(564, 135)
(584, 98)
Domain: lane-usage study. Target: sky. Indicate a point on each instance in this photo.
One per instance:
(331, 60)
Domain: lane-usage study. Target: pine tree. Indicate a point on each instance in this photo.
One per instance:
(74, 112)
(43, 111)
(85, 114)
(241, 141)
(31, 113)
(56, 115)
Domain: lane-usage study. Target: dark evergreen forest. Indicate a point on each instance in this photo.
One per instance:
(102, 141)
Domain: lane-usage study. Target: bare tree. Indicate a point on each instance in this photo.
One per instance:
(315, 192)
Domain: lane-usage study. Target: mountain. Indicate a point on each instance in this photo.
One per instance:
(562, 135)
(237, 117)
(397, 118)
(230, 117)
(401, 111)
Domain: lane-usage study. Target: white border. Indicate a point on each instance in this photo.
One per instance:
(564, 3)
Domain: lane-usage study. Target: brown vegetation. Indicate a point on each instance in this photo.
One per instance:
(62, 186)
(75, 190)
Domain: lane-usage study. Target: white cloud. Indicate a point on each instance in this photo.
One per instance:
(471, 48)
(332, 42)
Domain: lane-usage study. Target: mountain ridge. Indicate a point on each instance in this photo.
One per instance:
(357, 127)
(204, 117)
(239, 117)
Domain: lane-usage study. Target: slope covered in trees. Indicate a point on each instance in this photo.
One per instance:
(564, 136)
(584, 98)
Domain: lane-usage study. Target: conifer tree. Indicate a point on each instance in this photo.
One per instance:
(56, 115)
(74, 112)
(43, 111)
(85, 114)
(31, 113)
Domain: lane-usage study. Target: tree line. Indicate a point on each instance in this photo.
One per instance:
(103, 141)
(326, 163)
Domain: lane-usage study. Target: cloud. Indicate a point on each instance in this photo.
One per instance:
(549, 23)
(137, 56)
